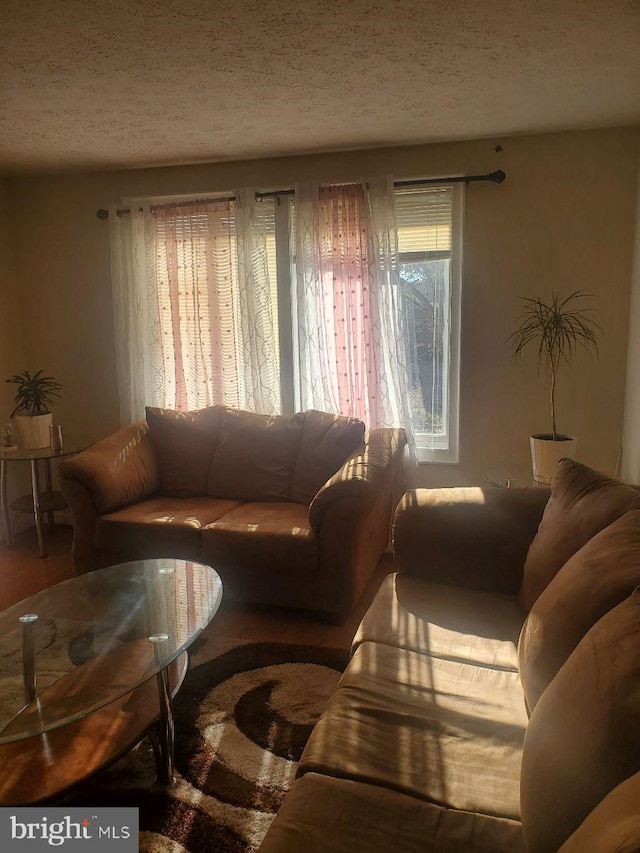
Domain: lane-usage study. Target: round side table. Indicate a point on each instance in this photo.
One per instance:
(41, 501)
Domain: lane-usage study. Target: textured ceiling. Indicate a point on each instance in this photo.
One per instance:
(127, 83)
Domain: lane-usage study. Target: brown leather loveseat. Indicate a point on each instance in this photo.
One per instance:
(290, 510)
(502, 599)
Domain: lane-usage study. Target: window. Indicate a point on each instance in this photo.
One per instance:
(429, 240)
(219, 310)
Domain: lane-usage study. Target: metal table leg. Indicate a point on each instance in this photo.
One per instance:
(48, 487)
(35, 489)
(163, 736)
(29, 677)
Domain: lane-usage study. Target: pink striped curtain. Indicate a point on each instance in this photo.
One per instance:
(349, 338)
(344, 264)
(339, 367)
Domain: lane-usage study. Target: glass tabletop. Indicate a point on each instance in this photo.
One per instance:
(97, 637)
(71, 444)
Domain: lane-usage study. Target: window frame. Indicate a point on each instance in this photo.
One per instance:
(429, 447)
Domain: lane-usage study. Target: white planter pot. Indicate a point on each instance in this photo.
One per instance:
(33, 430)
(546, 453)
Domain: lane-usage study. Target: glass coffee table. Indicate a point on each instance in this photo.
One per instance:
(90, 666)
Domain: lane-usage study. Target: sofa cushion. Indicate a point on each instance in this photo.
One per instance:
(159, 527)
(583, 738)
(444, 621)
(603, 573)
(613, 826)
(326, 442)
(447, 732)
(184, 443)
(582, 503)
(467, 536)
(265, 552)
(255, 456)
(321, 813)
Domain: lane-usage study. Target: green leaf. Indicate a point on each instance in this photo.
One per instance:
(559, 329)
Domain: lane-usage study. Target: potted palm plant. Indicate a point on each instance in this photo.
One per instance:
(558, 328)
(32, 411)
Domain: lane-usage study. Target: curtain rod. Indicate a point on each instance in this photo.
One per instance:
(494, 177)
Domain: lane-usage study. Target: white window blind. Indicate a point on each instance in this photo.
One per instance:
(424, 218)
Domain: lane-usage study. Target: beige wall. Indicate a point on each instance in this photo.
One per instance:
(11, 325)
(12, 350)
(630, 467)
(563, 220)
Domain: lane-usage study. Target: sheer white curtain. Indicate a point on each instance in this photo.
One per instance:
(387, 317)
(193, 309)
(135, 310)
(258, 304)
(351, 347)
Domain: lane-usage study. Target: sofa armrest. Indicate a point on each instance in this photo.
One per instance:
(470, 537)
(351, 515)
(113, 472)
(84, 552)
(116, 471)
(366, 472)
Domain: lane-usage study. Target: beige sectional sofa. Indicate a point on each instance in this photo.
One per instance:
(503, 601)
(290, 510)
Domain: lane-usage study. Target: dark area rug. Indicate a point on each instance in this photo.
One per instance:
(243, 716)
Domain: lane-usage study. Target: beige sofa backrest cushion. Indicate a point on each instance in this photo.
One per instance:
(599, 576)
(231, 453)
(255, 456)
(327, 440)
(582, 503)
(583, 738)
(184, 444)
(613, 826)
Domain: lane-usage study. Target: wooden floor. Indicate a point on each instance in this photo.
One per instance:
(23, 572)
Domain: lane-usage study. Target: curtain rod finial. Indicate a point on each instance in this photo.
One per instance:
(497, 177)
(102, 214)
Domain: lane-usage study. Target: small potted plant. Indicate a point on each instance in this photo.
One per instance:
(558, 328)
(33, 400)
